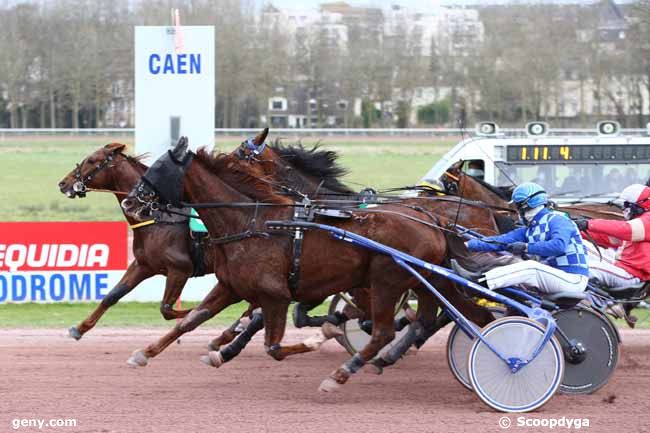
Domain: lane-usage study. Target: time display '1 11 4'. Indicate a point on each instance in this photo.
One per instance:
(579, 153)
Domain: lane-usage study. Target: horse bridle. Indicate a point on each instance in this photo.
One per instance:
(79, 186)
(250, 151)
(451, 183)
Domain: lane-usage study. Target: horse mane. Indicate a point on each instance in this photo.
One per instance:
(241, 176)
(322, 164)
(502, 192)
(137, 160)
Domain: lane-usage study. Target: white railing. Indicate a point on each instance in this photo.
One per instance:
(316, 132)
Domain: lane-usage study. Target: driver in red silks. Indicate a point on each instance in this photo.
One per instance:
(630, 237)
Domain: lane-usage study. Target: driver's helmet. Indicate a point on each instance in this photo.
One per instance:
(636, 200)
(529, 195)
(476, 172)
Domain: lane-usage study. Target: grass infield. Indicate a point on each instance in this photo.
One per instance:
(31, 167)
(143, 314)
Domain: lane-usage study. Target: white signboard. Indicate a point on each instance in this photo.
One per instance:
(174, 87)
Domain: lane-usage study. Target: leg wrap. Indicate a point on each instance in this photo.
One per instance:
(415, 330)
(234, 348)
(431, 328)
(302, 319)
(354, 364)
(401, 323)
(115, 295)
(366, 326)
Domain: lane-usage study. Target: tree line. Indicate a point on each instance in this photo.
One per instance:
(64, 62)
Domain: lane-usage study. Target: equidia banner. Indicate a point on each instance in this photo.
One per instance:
(60, 261)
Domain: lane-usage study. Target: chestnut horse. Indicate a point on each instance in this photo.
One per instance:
(256, 265)
(315, 173)
(108, 168)
(457, 182)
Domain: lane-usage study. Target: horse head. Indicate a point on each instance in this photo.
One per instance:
(92, 171)
(162, 184)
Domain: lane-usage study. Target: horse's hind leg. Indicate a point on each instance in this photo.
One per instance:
(134, 275)
(425, 325)
(173, 287)
(219, 298)
(383, 332)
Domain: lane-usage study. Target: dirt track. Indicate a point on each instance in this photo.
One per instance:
(45, 375)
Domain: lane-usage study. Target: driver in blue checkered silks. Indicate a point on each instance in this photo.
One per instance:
(549, 235)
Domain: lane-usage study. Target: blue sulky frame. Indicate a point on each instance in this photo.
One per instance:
(408, 262)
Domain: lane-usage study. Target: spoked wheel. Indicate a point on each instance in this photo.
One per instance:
(458, 346)
(528, 388)
(590, 349)
(354, 338)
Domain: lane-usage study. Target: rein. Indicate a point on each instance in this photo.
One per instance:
(107, 190)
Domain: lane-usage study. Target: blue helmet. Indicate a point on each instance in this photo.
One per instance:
(529, 195)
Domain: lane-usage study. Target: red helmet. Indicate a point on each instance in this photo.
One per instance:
(637, 193)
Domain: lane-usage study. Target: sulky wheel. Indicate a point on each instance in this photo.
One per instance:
(458, 346)
(530, 387)
(354, 338)
(590, 347)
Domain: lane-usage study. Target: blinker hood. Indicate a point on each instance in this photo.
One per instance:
(165, 177)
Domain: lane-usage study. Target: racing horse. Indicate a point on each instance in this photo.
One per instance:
(160, 246)
(457, 182)
(253, 264)
(109, 169)
(314, 173)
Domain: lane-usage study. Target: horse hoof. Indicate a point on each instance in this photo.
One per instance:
(314, 342)
(213, 359)
(213, 347)
(137, 359)
(329, 385)
(331, 331)
(73, 332)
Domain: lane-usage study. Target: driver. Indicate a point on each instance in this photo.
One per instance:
(631, 236)
(476, 169)
(549, 235)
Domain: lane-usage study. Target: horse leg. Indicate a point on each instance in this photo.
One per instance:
(275, 322)
(173, 287)
(383, 332)
(134, 275)
(301, 317)
(423, 327)
(233, 330)
(219, 298)
(216, 358)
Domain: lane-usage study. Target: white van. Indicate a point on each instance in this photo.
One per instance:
(595, 166)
